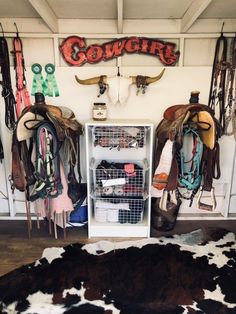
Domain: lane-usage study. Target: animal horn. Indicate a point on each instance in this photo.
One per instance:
(90, 81)
(149, 80)
(155, 78)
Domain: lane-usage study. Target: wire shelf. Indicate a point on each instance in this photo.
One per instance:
(125, 210)
(119, 137)
(119, 179)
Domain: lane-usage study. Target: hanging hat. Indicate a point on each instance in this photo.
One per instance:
(26, 125)
(207, 128)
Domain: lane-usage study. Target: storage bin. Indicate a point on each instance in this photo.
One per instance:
(125, 210)
(119, 179)
(119, 137)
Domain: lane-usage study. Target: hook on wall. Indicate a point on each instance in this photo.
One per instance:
(2, 29)
(118, 71)
(17, 32)
(222, 27)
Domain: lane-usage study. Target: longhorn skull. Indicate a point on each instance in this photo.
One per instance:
(118, 87)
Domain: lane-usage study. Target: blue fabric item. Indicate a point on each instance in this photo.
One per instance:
(79, 214)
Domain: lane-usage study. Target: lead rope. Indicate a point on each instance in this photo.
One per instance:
(22, 94)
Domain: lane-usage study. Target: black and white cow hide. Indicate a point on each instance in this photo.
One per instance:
(167, 275)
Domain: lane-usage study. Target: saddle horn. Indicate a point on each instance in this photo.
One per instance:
(91, 81)
(149, 80)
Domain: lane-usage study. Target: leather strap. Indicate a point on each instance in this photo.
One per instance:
(17, 176)
(210, 166)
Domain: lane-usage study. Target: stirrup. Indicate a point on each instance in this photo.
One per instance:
(204, 206)
(164, 197)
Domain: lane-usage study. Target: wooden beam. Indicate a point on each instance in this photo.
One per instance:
(119, 16)
(46, 13)
(193, 12)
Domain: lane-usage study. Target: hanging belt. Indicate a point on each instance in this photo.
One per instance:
(7, 93)
(22, 94)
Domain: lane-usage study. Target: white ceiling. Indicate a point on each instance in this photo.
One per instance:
(52, 10)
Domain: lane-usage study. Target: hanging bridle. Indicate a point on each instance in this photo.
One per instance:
(22, 94)
(47, 168)
(217, 87)
(7, 93)
(231, 91)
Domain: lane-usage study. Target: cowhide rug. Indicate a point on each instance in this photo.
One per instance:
(188, 273)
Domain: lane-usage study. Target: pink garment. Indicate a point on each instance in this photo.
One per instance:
(61, 203)
(40, 207)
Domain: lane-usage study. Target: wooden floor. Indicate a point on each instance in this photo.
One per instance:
(16, 249)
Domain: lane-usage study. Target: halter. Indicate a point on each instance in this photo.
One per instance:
(191, 177)
(47, 168)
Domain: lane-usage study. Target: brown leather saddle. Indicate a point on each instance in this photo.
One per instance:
(176, 120)
(61, 117)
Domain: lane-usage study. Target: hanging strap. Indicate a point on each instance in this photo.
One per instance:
(7, 93)
(22, 94)
(210, 166)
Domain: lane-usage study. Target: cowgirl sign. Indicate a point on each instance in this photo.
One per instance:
(75, 51)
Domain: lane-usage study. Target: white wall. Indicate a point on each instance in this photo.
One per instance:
(193, 72)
